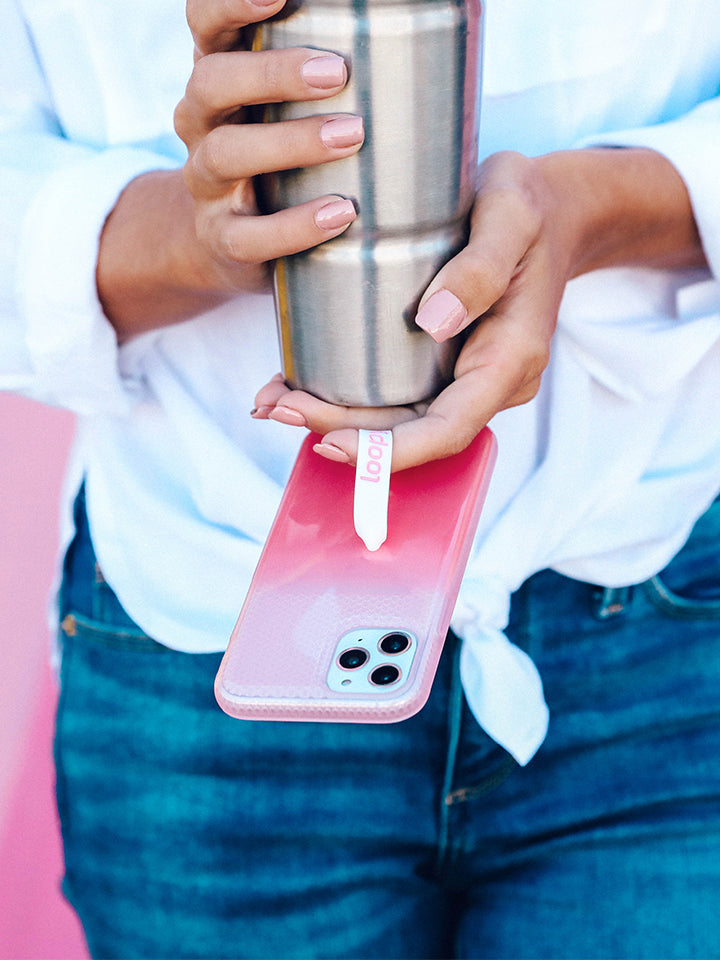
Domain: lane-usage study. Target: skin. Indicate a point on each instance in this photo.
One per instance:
(536, 223)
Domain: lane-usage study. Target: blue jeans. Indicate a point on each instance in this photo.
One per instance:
(190, 834)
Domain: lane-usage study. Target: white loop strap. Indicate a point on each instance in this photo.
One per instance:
(372, 486)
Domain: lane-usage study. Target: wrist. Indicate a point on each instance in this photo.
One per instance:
(151, 270)
(622, 207)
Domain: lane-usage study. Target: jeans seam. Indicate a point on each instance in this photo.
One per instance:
(61, 788)
(75, 624)
(676, 606)
(465, 794)
(454, 723)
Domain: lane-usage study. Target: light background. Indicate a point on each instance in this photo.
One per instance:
(35, 922)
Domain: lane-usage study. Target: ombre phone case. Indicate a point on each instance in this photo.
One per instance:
(331, 631)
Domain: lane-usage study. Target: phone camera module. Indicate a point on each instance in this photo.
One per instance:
(353, 659)
(385, 675)
(394, 643)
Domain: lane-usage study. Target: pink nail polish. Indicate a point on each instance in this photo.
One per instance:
(342, 132)
(442, 315)
(324, 73)
(331, 452)
(286, 415)
(337, 213)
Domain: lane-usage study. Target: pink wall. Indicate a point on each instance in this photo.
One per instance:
(35, 922)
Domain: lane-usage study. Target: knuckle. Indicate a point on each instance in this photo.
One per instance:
(210, 158)
(487, 278)
(527, 359)
(520, 209)
(526, 393)
(201, 88)
(181, 121)
(459, 441)
(190, 178)
(514, 359)
(236, 244)
(455, 436)
(193, 9)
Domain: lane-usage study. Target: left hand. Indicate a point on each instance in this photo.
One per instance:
(535, 224)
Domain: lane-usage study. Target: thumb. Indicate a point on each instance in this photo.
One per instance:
(479, 275)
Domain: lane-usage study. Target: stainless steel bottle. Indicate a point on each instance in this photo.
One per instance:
(346, 308)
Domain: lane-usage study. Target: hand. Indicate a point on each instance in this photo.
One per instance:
(224, 154)
(535, 224)
(178, 243)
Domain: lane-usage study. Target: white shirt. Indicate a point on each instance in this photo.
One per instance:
(601, 477)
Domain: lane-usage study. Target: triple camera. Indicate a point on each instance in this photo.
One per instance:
(371, 658)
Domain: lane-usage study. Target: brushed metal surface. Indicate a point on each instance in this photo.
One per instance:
(346, 308)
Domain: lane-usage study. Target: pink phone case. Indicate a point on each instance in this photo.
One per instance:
(331, 631)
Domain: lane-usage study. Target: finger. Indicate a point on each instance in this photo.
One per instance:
(222, 83)
(415, 441)
(233, 152)
(500, 366)
(442, 432)
(504, 226)
(235, 236)
(216, 24)
(267, 396)
(276, 401)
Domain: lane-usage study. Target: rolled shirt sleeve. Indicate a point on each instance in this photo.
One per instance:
(692, 144)
(71, 353)
(56, 345)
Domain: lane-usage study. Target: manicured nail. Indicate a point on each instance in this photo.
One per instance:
(286, 415)
(337, 213)
(442, 315)
(324, 72)
(331, 452)
(342, 132)
(261, 413)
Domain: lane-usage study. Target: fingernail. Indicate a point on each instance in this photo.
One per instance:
(442, 315)
(286, 415)
(324, 72)
(342, 132)
(337, 213)
(331, 452)
(261, 413)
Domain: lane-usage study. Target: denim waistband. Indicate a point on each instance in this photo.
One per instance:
(688, 586)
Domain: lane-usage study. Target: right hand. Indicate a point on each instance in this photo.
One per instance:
(225, 151)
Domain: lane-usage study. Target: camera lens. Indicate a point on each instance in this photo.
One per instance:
(395, 643)
(352, 659)
(384, 675)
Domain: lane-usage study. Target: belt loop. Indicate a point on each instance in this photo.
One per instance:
(610, 602)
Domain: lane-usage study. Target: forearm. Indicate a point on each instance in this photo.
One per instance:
(151, 269)
(626, 207)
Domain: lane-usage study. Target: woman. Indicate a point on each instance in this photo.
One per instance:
(190, 834)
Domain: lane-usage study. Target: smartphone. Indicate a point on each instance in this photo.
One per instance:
(330, 631)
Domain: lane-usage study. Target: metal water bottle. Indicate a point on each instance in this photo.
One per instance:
(346, 308)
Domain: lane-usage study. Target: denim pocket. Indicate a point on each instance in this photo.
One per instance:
(689, 587)
(89, 608)
(700, 602)
(125, 636)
